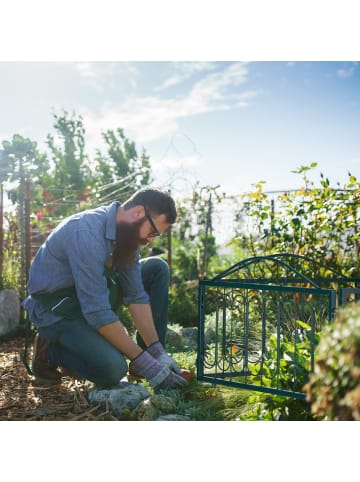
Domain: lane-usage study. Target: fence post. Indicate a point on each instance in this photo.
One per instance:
(207, 227)
(169, 252)
(27, 229)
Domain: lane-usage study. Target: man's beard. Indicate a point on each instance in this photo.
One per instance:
(127, 243)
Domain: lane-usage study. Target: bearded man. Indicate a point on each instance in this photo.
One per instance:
(86, 265)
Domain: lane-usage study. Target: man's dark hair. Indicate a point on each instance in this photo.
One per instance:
(156, 201)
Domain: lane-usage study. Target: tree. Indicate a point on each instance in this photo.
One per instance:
(69, 182)
(121, 170)
(21, 161)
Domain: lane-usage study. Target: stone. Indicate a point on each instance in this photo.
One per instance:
(174, 339)
(153, 407)
(189, 336)
(173, 417)
(163, 403)
(122, 398)
(9, 311)
(145, 411)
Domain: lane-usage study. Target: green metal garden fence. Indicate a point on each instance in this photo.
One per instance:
(260, 321)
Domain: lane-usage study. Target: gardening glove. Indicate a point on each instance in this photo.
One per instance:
(157, 375)
(157, 351)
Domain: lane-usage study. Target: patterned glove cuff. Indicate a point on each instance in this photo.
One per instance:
(147, 366)
(156, 349)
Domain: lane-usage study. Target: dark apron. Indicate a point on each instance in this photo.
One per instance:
(65, 301)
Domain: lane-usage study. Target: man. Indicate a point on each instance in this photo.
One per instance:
(76, 280)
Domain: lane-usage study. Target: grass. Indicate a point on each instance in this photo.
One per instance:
(206, 402)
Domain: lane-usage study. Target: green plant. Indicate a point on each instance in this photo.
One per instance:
(294, 359)
(318, 222)
(334, 387)
(10, 278)
(203, 401)
(183, 305)
(253, 406)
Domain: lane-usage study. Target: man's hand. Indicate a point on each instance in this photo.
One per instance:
(157, 351)
(158, 375)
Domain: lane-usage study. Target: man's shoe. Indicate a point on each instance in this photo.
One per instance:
(45, 373)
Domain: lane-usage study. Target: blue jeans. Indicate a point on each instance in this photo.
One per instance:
(74, 344)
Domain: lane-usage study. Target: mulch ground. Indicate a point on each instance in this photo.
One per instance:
(21, 399)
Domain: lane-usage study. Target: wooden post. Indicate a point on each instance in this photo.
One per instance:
(27, 229)
(208, 226)
(169, 253)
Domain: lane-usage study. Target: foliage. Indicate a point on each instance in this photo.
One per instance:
(67, 184)
(318, 222)
(334, 387)
(70, 168)
(183, 305)
(194, 233)
(284, 364)
(19, 159)
(203, 401)
(293, 367)
(121, 161)
(255, 406)
(10, 276)
(184, 260)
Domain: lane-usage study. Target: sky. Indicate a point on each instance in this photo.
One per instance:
(222, 123)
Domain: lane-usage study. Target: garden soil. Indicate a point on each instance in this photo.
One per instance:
(21, 399)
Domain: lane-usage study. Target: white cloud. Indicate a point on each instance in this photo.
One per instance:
(86, 69)
(347, 71)
(151, 117)
(101, 75)
(184, 70)
(143, 119)
(219, 91)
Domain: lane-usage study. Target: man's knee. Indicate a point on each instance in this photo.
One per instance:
(156, 266)
(111, 373)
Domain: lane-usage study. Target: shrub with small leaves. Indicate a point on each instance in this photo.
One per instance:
(334, 387)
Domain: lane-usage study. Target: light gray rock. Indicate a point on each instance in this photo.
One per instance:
(174, 339)
(173, 417)
(153, 407)
(189, 336)
(122, 398)
(9, 311)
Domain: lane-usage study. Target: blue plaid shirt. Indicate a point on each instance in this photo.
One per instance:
(74, 255)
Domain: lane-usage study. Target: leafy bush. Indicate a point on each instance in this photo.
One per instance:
(10, 276)
(183, 305)
(253, 406)
(318, 222)
(334, 387)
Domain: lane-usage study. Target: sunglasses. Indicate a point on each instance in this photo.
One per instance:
(155, 233)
